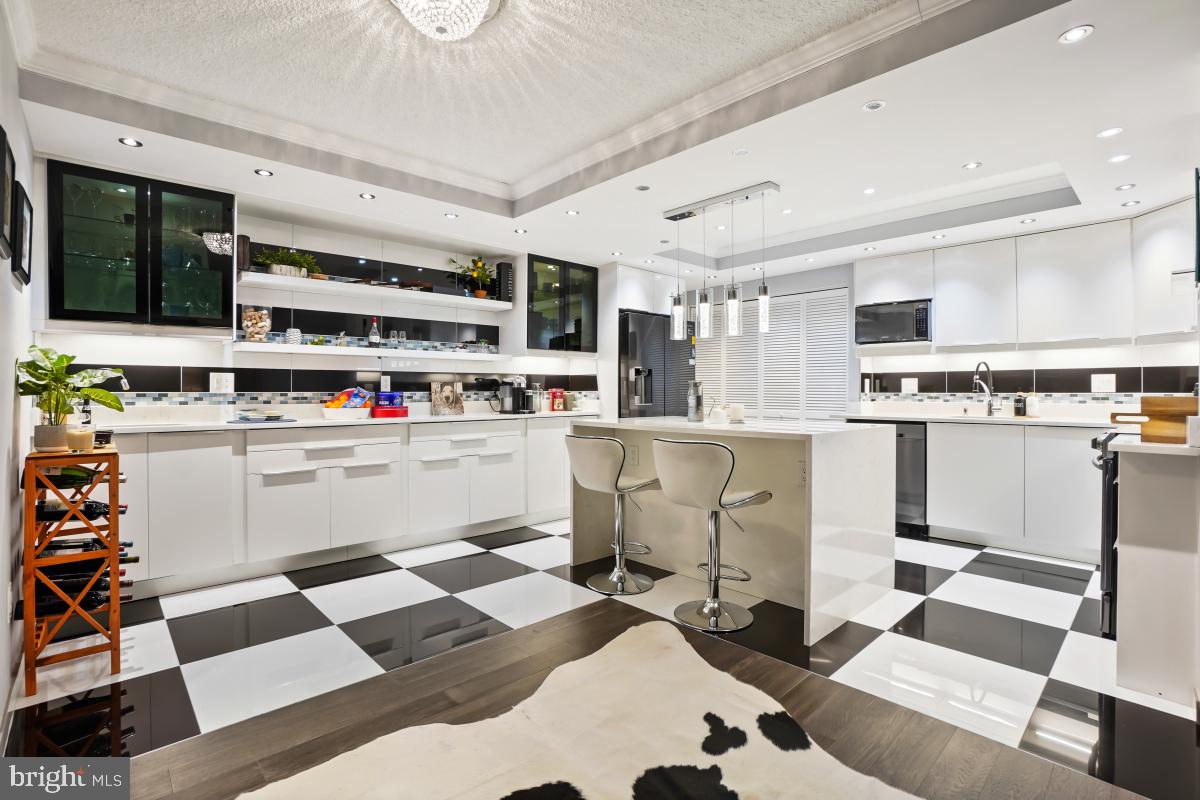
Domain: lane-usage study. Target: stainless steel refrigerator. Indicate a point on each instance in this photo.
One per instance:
(654, 370)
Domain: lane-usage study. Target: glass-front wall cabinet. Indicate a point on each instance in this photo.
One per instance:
(562, 305)
(129, 249)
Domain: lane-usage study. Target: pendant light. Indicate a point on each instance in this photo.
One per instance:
(703, 301)
(678, 309)
(733, 296)
(764, 296)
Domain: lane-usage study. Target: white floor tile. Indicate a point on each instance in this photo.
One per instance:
(889, 609)
(184, 603)
(1010, 599)
(988, 698)
(1091, 662)
(362, 597)
(145, 648)
(932, 554)
(558, 527)
(675, 590)
(245, 683)
(419, 556)
(553, 551)
(1093, 587)
(1044, 559)
(528, 599)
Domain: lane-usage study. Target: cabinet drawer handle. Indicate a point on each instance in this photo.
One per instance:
(468, 437)
(364, 464)
(483, 453)
(456, 457)
(317, 448)
(293, 471)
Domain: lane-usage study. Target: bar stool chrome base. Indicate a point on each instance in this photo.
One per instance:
(620, 583)
(715, 617)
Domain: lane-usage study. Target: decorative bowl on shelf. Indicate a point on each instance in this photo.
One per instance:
(346, 413)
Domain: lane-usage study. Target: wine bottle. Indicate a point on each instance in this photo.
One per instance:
(82, 545)
(373, 336)
(53, 510)
(70, 585)
(73, 570)
(53, 604)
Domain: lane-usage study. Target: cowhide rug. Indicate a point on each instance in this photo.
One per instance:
(644, 718)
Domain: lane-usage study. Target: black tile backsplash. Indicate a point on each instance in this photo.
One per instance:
(245, 379)
(1174, 380)
(1129, 379)
(141, 378)
(1003, 380)
(333, 380)
(890, 382)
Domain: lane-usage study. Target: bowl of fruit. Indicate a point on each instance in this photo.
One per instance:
(349, 404)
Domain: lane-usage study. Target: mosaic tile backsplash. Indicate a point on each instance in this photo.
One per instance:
(1122, 398)
(276, 398)
(386, 345)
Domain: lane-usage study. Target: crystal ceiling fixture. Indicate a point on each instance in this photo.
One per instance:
(447, 20)
(764, 295)
(678, 308)
(220, 244)
(733, 295)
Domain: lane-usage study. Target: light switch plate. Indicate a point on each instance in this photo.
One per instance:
(1104, 382)
(908, 386)
(385, 383)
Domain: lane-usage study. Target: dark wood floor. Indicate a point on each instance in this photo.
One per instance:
(906, 749)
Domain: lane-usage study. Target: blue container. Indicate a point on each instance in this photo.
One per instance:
(389, 399)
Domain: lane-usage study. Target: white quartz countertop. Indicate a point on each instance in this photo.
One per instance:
(320, 422)
(752, 427)
(883, 415)
(1133, 443)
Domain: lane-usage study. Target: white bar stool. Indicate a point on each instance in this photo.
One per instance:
(597, 463)
(696, 474)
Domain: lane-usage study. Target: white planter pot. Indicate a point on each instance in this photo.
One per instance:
(50, 438)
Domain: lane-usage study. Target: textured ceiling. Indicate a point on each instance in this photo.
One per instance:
(540, 82)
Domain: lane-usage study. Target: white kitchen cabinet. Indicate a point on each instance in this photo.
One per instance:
(197, 506)
(1062, 489)
(498, 479)
(891, 279)
(135, 493)
(440, 487)
(547, 474)
(975, 294)
(1075, 284)
(976, 478)
(664, 289)
(1164, 255)
(368, 497)
(635, 289)
(288, 511)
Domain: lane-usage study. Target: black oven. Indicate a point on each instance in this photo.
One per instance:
(906, 321)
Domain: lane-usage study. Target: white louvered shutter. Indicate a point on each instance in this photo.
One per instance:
(742, 358)
(783, 358)
(710, 366)
(826, 352)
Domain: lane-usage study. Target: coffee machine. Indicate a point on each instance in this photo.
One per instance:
(514, 397)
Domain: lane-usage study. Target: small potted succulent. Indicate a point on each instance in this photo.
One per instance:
(289, 263)
(477, 276)
(44, 376)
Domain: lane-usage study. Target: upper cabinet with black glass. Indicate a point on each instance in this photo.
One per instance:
(129, 249)
(562, 305)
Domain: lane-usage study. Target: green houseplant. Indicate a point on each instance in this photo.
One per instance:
(284, 257)
(44, 375)
(477, 276)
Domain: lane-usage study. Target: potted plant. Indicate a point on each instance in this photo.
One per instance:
(288, 262)
(44, 376)
(477, 276)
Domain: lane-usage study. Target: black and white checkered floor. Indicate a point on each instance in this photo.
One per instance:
(1003, 644)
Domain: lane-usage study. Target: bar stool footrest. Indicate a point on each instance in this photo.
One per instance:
(734, 573)
(637, 549)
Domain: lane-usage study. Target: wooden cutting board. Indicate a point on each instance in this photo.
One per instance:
(1163, 419)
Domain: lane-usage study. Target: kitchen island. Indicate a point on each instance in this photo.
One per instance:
(825, 541)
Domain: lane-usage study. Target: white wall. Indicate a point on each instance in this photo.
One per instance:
(14, 338)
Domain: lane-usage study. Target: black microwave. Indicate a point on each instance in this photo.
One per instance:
(907, 321)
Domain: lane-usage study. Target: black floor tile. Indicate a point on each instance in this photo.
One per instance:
(147, 712)
(399, 637)
(223, 630)
(579, 573)
(1146, 751)
(1087, 619)
(490, 541)
(470, 572)
(1019, 643)
(341, 571)
(133, 612)
(1031, 573)
(918, 578)
(778, 631)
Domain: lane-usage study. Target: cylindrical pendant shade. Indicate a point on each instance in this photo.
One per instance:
(733, 311)
(764, 309)
(678, 318)
(704, 315)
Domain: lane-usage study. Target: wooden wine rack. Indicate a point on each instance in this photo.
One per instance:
(41, 630)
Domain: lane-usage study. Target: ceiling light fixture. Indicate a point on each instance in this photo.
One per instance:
(720, 227)
(733, 295)
(265, 173)
(868, 248)
(642, 188)
(1076, 34)
(218, 243)
(678, 306)
(809, 260)
(741, 151)
(764, 294)
(647, 260)
(445, 20)
(972, 165)
(450, 215)
(873, 105)
(1131, 203)
(787, 211)
(1028, 221)
(703, 301)
(939, 236)
(869, 190)
(520, 230)
(1108, 133)
(572, 212)
(616, 252)
(366, 195)
(1125, 187)
(129, 142)
(1117, 159)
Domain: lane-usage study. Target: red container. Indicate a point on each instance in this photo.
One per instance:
(389, 411)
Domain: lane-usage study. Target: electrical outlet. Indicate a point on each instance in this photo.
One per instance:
(631, 455)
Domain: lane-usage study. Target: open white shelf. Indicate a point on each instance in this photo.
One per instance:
(310, 286)
(371, 352)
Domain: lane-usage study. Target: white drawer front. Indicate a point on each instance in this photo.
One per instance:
(454, 431)
(287, 514)
(299, 438)
(331, 453)
(441, 494)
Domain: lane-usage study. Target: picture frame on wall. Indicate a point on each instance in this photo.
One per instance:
(7, 179)
(21, 226)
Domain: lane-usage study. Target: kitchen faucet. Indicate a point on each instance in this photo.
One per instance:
(978, 383)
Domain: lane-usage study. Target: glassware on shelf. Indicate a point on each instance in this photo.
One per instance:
(256, 322)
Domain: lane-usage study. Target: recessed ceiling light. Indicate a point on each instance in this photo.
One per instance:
(810, 260)
(868, 248)
(1076, 34)
(939, 236)
(616, 252)
(572, 212)
(642, 188)
(873, 105)
(664, 241)
(1129, 203)
(687, 272)
(741, 151)
(972, 165)
(366, 195)
(266, 173)
(787, 211)
(1028, 221)
(129, 142)
(450, 215)
(720, 227)
(648, 261)
(1108, 133)
(756, 269)
(869, 190)
(1125, 187)
(520, 230)
(1117, 159)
